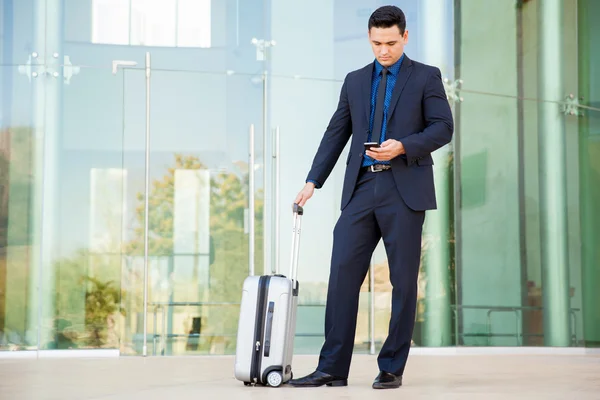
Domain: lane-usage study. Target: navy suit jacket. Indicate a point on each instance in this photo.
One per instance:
(419, 116)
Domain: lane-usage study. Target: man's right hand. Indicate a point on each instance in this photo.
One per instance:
(305, 194)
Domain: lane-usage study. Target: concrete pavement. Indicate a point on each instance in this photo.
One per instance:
(427, 377)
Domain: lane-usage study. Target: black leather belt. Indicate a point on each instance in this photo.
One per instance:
(377, 167)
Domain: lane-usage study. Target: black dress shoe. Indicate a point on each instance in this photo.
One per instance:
(385, 380)
(319, 378)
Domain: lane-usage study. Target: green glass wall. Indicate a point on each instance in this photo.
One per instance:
(520, 276)
(589, 166)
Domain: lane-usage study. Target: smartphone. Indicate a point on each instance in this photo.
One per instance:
(369, 145)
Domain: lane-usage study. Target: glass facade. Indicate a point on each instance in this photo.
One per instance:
(234, 97)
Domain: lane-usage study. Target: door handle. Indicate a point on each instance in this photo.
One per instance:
(117, 63)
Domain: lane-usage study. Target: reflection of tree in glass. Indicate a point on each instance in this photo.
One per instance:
(102, 301)
(88, 301)
(228, 268)
(16, 185)
(229, 247)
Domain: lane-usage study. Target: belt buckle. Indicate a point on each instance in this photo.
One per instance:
(373, 168)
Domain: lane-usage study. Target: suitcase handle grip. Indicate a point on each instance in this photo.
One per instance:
(298, 211)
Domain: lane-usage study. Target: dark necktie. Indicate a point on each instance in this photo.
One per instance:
(378, 119)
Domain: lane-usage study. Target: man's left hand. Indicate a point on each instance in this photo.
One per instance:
(389, 149)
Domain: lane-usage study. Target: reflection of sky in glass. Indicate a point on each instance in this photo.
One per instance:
(168, 23)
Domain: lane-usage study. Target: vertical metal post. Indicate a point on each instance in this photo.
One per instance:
(47, 92)
(36, 297)
(552, 170)
(276, 199)
(146, 204)
(456, 178)
(437, 330)
(521, 163)
(251, 203)
(168, 347)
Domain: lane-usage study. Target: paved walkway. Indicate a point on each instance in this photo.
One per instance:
(428, 377)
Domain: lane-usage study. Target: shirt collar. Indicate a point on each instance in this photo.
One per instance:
(394, 69)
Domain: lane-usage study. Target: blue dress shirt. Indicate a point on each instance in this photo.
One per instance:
(393, 72)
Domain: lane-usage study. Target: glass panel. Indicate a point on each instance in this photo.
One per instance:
(110, 21)
(488, 46)
(198, 204)
(503, 126)
(19, 22)
(590, 217)
(83, 211)
(199, 150)
(490, 273)
(194, 23)
(153, 23)
(200, 35)
(589, 166)
(20, 154)
(501, 297)
(573, 286)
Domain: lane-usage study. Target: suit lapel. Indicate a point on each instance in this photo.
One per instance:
(366, 83)
(403, 75)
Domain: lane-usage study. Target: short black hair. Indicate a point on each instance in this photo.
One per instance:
(386, 17)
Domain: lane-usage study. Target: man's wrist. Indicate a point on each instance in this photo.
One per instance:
(402, 149)
(314, 183)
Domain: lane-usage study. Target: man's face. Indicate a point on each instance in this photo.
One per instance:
(388, 44)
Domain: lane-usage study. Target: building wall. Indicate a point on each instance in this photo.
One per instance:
(490, 273)
(73, 166)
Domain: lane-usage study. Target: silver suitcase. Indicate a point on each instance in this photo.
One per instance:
(267, 323)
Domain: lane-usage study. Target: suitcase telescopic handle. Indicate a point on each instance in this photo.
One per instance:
(298, 211)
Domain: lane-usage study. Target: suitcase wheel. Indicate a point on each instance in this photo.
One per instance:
(274, 378)
(247, 384)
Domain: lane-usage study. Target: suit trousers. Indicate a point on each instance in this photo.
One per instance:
(376, 210)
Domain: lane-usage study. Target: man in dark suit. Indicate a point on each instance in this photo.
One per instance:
(401, 105)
